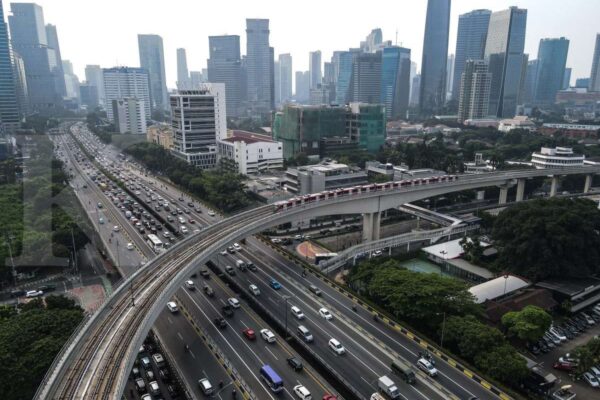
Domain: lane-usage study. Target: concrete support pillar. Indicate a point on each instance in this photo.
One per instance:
(371, 229)
(503, 194)
(554, 186)
(520, 189)
(588, 183)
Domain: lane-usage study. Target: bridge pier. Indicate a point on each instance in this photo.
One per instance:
(554, 185)
(520, 189)
(588, 183)
(503, 194)
(371, 225)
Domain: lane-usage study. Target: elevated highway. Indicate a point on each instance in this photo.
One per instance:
(96, 361)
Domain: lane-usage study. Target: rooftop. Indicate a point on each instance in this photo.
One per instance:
(248, 137)
(448, 250)
(570, 286)
(498, 287)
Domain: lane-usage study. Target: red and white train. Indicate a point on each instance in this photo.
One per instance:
(349, 191)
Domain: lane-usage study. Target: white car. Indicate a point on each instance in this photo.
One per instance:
(211, 213)
(591, 379)
(336, 346)
(296, 312)
(254, 289)
(130, 246)
(427, 367)
(235, 303)
(224, 252)
(116, 228)
(267, 335)
(237, 247)
(190, 284)
(172, 306)
(323, 312)
(302, 392)
(34, 293)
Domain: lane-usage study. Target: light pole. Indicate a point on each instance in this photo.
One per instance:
(286, 298)
(443, 328)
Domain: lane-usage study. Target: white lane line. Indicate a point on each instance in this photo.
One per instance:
(274, 356)
(179, 335)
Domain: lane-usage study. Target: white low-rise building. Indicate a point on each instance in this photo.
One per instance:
(518, 122)
(251, 153)
(559, 157)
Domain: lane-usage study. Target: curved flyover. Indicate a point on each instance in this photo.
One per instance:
(95, 363)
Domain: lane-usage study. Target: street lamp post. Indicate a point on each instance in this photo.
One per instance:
(443, 328)
(286, 298)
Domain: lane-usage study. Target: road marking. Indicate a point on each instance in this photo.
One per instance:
(274, 356)
(170, 320)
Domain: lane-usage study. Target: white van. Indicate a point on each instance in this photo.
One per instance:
(296, 312)
(254, 289)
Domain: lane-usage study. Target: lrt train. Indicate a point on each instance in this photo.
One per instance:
(350, 191)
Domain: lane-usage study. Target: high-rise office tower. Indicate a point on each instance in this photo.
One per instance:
(9, 102)
(474, 90)
(595, 74)
(566, 83)
(528, 89)
(395, 81)
(95, 77)
(71, 80)
(314, 67)
(449, 76)
(225, 66)
(552, 60)
(328, 73)
(129, 116)
(470, 43)
(196, 79)
(259, 67)
(343, 68)
(302, 87)
(277, 80)
(415, 90)
(504, 53)
(435, 57)
(125, 82)
(199, 120)
(152, 59)
(272, 73)
(373, 42)
(56, 63)
(88, 95)
(21, 83)
(365, 82)
(413, 73)
(29, 39)
(285, 78)
(183, 76)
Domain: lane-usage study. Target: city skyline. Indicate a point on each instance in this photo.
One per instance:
(83, 48)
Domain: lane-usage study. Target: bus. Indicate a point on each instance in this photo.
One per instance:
(154, 242)
(271, 378)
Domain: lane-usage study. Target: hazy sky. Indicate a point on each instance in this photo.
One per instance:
(105, 31)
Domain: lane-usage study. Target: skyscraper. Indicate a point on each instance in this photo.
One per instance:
(365, 82)
(395, 81)
(552, 60)
(95, 77)
(71, 80)
(152, 59)
(124, 82)
(314, 67)
(595, 74)
(183, 76)
(373, 41)
(566, 83)
(285, 77)
(470, 42)
(435, 57)
(259, 66)
(474, 90)
(531, 71)
(9, 105)
(415, 90)
(504, 53)
(196, 79)
(21, 83)
(199, 120)
(28, 36)
(302, 87)
(449, 76)
(343, 75)
(225, 66)
(56, 63)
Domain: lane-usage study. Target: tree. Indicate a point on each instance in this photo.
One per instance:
(529, 324)
(470, 336)
(503, 363)
(472, 248)
(549, 238)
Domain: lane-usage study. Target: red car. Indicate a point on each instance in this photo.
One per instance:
(564, 366)
(191, 221)
(328, 396)
(249, 333)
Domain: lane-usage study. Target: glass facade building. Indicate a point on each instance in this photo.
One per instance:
(551, 60)
(395, 81)
(152, 59)
(259, 67)
(504, 53)
(435, 57)
(470, 42)
(9, 106)
(343, 72)
(225, 66)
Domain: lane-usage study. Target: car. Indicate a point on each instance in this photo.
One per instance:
(230, 250)
(206, 387)
(229, 269)
(336, 346)
(235, 303)
(329, 396)
(149, 374)
(211, 213)
(302, 392)
(275, 240)
(198, 210)
(204, 272)
(167, 234)
(254, 289)
(274, 284)
(591, 379)
(315, 290)
(249, 333)
(33, 293)
(220, 323)
(298, 237)
(190, 204)
(140, 385)
(295, 363)
(237, 247)
(116, 228)
(323, 312)
(159, 360)
(101, 220)
(172, 306)
(190, 284)
(145, 361)
(267, 335)
(191, 221)
(208, 290)
(164, 374)
(296, 312)
(154, 388)
(251, 266)
(130, 246)
(427, 367)
(227, 310)
(223, 252)
(377, 253)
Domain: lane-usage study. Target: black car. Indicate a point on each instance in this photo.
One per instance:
(208, 290)
(47, 288)
(251, 266)
(172, 389)
(295, 363)
(204, 272)
(190, 204)
(220, 323)
(227, 310)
